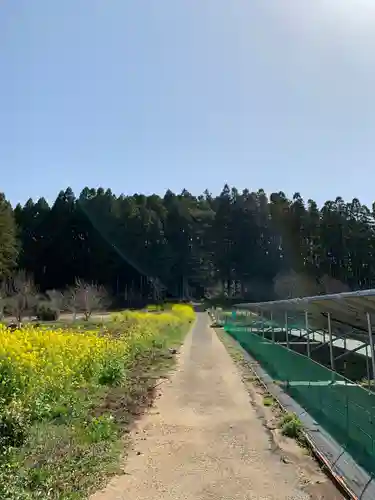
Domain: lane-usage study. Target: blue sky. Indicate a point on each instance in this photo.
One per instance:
(145, 95)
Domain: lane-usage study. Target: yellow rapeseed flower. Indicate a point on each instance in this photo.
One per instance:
(37, 363)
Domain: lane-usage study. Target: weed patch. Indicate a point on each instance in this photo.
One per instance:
(268, 400)
(291, 426)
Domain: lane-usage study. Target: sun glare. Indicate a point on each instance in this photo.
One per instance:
(336, 15)
(352, 13)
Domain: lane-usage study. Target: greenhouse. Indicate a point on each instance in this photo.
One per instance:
(320, 351)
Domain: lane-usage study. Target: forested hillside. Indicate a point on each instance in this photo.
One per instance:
(241, 244)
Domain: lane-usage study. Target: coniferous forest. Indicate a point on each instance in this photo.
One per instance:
(243, 245)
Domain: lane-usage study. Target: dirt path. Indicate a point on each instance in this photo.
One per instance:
(203, 440)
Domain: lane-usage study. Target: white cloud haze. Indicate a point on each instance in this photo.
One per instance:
(346, 27)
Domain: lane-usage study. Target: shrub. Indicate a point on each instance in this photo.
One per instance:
(47, 312)
(291, 426)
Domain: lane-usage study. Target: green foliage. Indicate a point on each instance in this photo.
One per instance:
(237, 245)
(47, 312)
(291, 426)
(13, 426)
(8, 243)
(268, 400)
(101, 428)
(112, 373)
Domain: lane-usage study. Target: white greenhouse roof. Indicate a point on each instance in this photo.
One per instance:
(348, 311)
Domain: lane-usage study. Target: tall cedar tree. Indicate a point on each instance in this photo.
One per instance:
(8, 243)
(242, 244)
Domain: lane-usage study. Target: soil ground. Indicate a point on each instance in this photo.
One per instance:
(208, 438)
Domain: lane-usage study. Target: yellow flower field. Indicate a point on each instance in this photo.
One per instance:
(66, 395)
(40, 366)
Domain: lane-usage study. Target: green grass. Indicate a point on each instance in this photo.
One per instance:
(70, 455)
(291, 427)
(268, 400)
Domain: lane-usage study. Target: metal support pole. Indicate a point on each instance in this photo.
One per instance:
(330, 342)
(348, 353)
(308, 334)
(286, 329)
(261, 315)
(273, 328)
(368, 369)
(369, 326)
(319, 347)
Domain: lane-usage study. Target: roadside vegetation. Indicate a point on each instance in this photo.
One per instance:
(69, 393)
(291, 426)
(268, 400)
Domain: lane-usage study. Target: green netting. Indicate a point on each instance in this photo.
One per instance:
(255, 322)
(345, 410)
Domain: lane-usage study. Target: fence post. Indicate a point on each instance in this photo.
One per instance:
(330, 342)
(308, 334)
(261, 315)
(368, 370)
(369, 326)
(286, 329)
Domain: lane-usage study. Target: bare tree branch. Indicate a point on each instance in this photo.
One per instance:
(56, 298)
(70, 301)
(20, 294)
(86, 298)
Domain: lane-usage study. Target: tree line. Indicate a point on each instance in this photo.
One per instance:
(237, 244)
